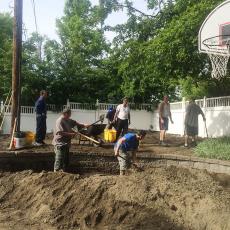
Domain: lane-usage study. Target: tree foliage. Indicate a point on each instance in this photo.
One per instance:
(152, 54)
(6, 34)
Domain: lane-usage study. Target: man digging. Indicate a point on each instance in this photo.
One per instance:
(63, 134)
(126, 144)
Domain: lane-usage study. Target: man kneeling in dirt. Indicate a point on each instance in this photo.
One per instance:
(63, 134)
(129, 142)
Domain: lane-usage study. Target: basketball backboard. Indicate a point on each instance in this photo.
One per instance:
(214, 34)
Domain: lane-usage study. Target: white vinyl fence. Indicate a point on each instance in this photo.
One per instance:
(143, 116)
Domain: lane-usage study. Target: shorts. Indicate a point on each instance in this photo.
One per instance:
(124, 160)
(191, 130)
(165, 125)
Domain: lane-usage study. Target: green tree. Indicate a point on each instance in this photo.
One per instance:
(6, 34)
(84, 49)
(157, 59)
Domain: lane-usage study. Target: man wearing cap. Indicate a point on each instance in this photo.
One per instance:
(63, 134)
(126, 144)
(110, 116)
(122, 118)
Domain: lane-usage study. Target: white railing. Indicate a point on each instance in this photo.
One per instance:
(217, 116)
(176, 105)
(218, 101)
(27, 109)
(51, 107)
(203, 103)
(200, 102)
(7, 109)
(135, 106)
(105, 106)
(81, 106)
(31, 109)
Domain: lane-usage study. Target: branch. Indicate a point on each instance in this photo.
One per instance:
(134, 9)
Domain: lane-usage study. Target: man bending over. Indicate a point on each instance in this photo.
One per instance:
(126, 144)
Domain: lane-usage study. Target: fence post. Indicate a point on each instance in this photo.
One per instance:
(204, 102)
(67, 103)
(204, 110)
(183, 111)
(97, 109)
(1, 107)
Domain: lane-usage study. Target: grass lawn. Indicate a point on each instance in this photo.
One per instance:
(214, 148)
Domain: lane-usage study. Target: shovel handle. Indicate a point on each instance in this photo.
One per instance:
(101, 119)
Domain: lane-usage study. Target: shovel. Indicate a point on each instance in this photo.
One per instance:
(101, 119)
(87, 137)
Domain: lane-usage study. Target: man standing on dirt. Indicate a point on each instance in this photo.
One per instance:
(191, 122)
(122, 118)
(129, 142)
(63, 134)
(164, 115)
(40, 109)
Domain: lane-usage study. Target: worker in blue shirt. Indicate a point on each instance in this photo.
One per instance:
(41, 111)
(126, 144)
(110, 116)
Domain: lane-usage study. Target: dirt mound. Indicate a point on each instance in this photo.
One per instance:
(159, 198)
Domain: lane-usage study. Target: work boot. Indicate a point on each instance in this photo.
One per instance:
(163, 143)
(37, 144)
(58, 170)
(193, 144)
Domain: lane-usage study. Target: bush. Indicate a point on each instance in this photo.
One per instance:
(216, 148)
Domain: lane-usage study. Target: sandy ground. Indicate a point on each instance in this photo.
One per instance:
(158, 198)
(150, 144)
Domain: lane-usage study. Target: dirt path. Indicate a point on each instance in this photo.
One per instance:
(150, 144)
(159, 198)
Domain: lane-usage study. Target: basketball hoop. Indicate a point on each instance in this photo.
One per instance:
(219, 53)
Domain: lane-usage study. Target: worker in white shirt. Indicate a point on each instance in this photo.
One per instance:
(122, 118)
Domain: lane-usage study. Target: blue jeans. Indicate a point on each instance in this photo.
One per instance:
(40, 128)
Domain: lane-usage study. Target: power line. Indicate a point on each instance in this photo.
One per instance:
(35, 17)
(36, 26)
(24, 30)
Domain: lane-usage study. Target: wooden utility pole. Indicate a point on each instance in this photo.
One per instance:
(16, 68)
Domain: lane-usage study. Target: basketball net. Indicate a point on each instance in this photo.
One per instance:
(219, 63)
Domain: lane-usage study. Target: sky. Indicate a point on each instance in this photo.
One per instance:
(47, 11)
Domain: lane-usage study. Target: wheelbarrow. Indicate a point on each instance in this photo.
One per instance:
(92, 134)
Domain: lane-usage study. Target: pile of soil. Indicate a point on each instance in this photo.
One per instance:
(158, 198)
